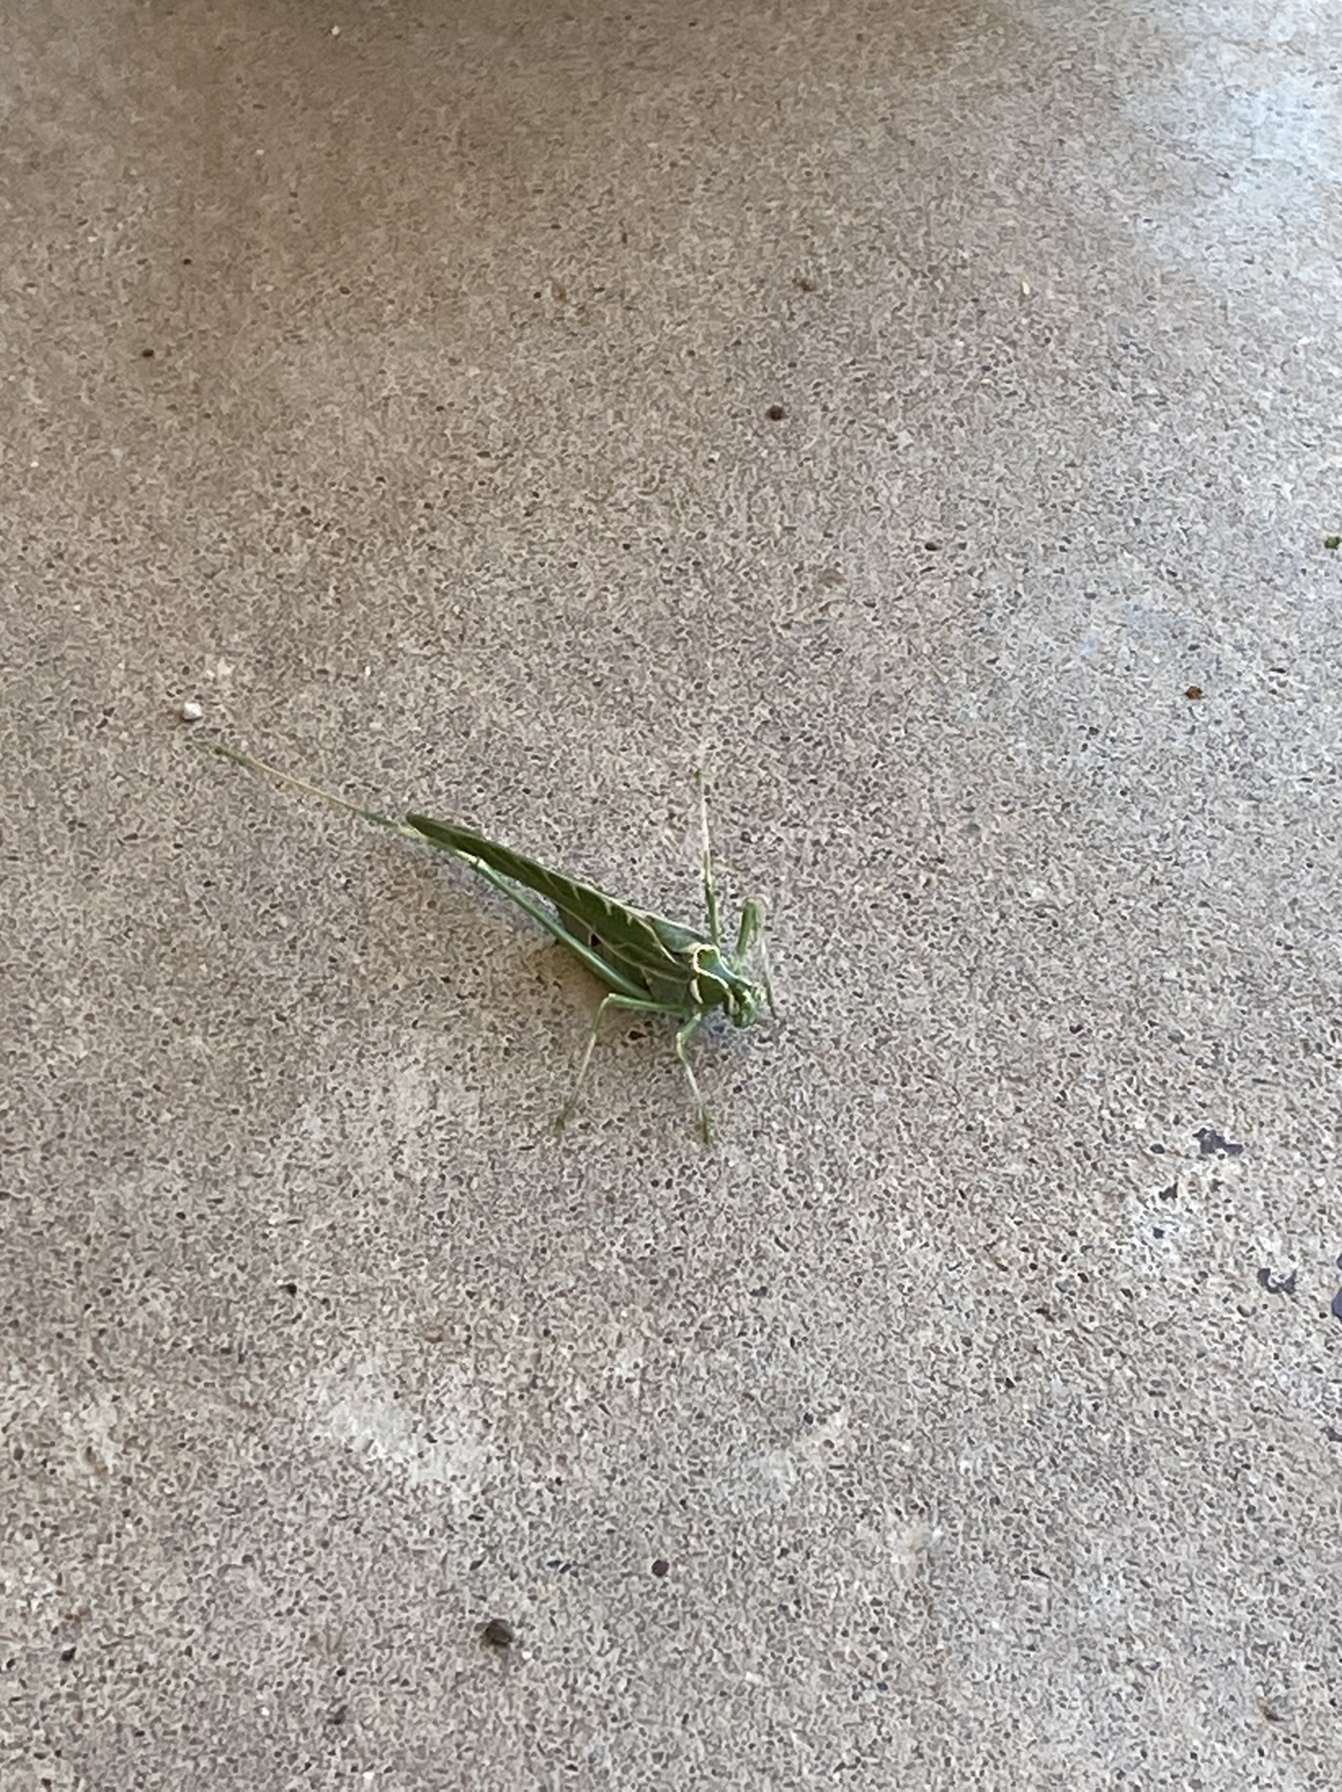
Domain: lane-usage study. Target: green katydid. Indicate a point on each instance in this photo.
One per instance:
(646, 963)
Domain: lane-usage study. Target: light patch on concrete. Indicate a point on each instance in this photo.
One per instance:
(774, 1476)
(395, 1100)
(1272, 130)
(359, 1409)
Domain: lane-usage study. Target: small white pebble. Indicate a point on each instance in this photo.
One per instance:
(335, 31)
(191, 712)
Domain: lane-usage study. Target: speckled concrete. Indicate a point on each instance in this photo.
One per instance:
(972, 1417)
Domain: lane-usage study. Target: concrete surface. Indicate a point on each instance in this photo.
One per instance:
(971, 1417)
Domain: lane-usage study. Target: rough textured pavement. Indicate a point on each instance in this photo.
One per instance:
(408, 396)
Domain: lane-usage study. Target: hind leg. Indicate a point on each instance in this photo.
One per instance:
(611, 1001)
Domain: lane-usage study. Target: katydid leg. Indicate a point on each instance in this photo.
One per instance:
(751, 933)
(683, 1037)
(766, 973)
(710, 886)
(746, 932)
(610, 1001)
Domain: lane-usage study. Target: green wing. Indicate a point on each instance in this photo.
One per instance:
(636, 954)
(648, 948)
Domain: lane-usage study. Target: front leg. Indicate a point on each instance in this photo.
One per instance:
(683, 1037)
(751, 933)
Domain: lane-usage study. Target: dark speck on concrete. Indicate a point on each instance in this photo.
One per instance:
(1337, 1305)
(661, 1567)
(499, 1634)
(776, 413)
(1215, 1144)
(1286, 1285)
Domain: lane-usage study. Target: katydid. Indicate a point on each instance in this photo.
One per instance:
(646, 963)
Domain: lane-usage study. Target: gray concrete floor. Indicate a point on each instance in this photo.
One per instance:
(401, 394)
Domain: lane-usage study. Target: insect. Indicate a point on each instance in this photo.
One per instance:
(646, 963)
